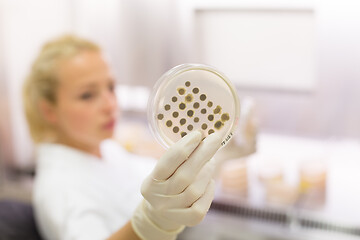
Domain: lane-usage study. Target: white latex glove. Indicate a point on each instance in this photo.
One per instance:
(180, 189)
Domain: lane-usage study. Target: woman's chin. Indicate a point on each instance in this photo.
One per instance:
(107, 135)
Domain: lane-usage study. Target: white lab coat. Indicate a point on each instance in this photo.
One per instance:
(79, 196)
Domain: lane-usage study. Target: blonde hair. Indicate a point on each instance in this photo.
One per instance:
(42, 82)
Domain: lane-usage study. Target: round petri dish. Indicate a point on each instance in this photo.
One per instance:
(192, 97)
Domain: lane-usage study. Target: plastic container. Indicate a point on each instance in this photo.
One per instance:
(190, 97)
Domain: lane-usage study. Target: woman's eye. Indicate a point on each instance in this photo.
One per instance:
(86, 96)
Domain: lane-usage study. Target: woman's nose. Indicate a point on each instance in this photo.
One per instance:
(109, 103)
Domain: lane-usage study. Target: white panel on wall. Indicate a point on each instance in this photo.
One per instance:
(259, 48)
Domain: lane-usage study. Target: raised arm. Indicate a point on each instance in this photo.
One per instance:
(177, 193)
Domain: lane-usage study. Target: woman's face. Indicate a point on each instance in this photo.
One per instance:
(86, 106)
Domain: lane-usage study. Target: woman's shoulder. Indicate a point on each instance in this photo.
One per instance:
(60, 151)
(60, 169)
(57, 158)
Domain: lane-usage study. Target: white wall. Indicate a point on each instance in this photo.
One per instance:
(331, 109)
(147, 44)
(25, 26)
(5, 131)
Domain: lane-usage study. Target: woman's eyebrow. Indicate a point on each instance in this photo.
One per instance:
(88, 86)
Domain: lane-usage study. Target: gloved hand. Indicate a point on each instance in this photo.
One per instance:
(180, 189)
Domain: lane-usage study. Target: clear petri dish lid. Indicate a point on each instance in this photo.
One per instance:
(192, 97)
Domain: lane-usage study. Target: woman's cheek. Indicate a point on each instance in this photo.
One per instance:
(82, 119)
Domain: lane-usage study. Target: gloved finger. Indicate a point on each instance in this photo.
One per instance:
(191, 194)
(195, 190)
(153, 189)
(176, 155)
(195, 214)
(188, 171)
(155, 184)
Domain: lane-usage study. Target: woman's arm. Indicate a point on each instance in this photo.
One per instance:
(126, 233)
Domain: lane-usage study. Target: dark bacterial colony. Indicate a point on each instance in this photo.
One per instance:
(189, 101)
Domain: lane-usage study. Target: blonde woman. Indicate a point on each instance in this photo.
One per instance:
(88, 187)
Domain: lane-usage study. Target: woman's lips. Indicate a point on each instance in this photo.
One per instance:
(110, 125)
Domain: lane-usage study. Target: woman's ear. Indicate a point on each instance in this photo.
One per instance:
(48, 112)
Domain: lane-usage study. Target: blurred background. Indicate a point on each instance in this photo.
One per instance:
(291, 172)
